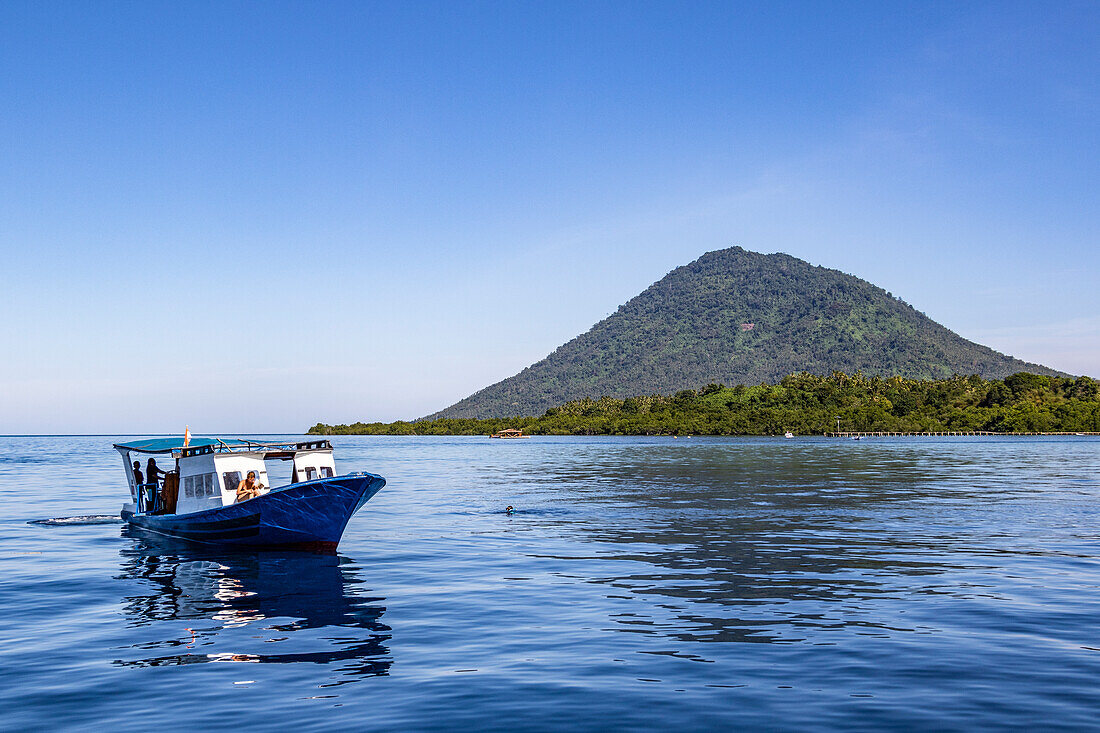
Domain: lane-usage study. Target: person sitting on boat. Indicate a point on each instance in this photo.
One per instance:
(249, 488)
(139, 477)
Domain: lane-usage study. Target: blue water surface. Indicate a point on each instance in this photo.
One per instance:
(640, 584)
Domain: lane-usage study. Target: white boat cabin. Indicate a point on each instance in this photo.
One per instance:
(204, 474)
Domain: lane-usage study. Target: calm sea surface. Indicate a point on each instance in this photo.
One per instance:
(699, 583)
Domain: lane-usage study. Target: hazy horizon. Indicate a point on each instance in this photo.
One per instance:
(268, 216)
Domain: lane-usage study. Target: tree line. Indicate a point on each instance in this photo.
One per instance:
(803, 404)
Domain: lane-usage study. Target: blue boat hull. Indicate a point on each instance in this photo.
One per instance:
(307, 515)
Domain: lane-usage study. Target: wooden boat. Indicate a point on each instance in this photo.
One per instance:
(197, 500)
(509, 433)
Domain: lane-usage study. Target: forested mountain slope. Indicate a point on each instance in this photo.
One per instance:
(739, 317)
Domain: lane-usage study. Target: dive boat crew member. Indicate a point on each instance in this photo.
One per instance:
(153, 473)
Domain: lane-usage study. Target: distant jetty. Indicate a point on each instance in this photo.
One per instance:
(508, 434)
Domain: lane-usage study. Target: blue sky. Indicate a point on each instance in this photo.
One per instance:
(254, 216)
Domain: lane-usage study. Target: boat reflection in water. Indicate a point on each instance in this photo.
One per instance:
(254, 607)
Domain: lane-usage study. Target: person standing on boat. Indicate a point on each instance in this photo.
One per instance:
(152, 477)
(249, 488)
(139, 482)
(153, 473)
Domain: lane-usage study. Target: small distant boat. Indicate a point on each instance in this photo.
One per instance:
(198, 498)
(788, 434)
(855, 437)
(509, 433)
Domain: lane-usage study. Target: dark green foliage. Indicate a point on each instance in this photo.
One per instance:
(805, 404)
(687, 329)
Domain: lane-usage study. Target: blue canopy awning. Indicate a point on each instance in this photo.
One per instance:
(167, 445)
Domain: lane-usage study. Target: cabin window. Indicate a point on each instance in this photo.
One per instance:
(326, 472)
(311, 473)
(231, 479)
(200, 486)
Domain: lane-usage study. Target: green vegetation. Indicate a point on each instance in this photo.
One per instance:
(804, 404)
(693, 327)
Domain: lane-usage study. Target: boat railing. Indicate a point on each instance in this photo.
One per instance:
(148, 498)
(243, 445)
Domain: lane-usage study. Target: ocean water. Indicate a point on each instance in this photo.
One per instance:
(641, 584)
